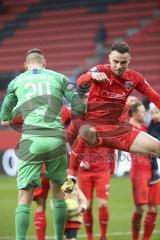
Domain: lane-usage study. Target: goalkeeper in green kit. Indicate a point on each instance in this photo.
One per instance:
(37, 95)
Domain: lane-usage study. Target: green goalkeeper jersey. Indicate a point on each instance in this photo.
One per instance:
(38, 94)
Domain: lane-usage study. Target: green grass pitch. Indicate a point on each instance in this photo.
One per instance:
(120, 208)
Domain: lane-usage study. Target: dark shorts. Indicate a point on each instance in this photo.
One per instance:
(71, 233)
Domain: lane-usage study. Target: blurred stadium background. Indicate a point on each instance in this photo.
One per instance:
(65, 30)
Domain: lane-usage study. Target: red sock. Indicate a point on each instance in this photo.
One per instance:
(149, 224)
(40, 225)
(74, 162)
(136, 225)
(88, 223)
(103, 221)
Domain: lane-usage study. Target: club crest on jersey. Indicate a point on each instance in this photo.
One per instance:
(94, 69)
(128, 84)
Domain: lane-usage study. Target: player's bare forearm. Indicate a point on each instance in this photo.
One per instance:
(14, 121)
(5, 123)
(8, 123)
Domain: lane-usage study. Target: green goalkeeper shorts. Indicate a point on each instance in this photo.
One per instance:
(35, 151)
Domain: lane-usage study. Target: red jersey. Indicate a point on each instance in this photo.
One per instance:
(99, 158)
(108, 99)
(140, 162)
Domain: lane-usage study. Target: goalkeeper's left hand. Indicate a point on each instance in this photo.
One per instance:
(68, 186)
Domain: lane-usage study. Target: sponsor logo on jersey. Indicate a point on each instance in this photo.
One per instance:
(109, 94)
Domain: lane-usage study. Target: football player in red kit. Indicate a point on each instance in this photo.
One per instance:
(143, 193)
(96, 167)
(105, 122)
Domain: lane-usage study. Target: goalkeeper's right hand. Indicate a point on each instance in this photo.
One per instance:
(68, 186)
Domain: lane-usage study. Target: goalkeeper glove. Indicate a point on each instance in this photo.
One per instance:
(68, 186)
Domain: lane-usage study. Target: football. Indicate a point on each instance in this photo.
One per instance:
(72, 207)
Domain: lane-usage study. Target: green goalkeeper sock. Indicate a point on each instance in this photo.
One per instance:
(22, 221)
(59, 215)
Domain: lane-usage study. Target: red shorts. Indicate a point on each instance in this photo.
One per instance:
(142, 192)
(120, 136)
(89, 180)
(117, 138)
(72, 224)
(41, 192)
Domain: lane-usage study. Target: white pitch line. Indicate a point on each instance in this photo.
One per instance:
(80, 236)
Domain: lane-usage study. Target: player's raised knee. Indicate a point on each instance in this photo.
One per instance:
(86, 132)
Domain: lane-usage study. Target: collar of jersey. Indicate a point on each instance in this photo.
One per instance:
(36, 70)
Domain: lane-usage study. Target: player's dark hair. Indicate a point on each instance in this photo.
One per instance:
(121, 47)
(134, 108)
(34, 50)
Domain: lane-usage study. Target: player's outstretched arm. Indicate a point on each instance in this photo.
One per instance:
(85, 79)
(153, 96)
(144, 88)
(9, 103)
